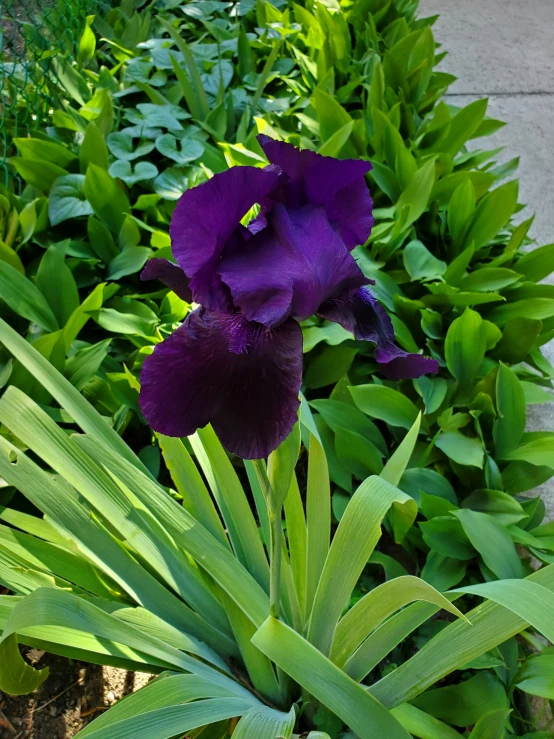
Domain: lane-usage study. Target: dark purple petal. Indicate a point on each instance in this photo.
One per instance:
(336, 184)
(170, 274)
(222, 369)
(361, 313)
(207, 219)
(297, 262)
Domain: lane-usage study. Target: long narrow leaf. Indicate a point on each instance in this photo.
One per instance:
(357, 534)
(318, 519)
(63, 391)
(321, 678)
(376, 606)
(459, 643)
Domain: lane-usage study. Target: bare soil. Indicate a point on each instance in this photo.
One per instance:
(74, 694)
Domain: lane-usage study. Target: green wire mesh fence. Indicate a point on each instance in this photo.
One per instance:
(37, 40)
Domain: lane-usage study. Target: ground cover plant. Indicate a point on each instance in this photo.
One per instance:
(163, 98)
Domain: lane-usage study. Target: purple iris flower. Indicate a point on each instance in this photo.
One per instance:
(236, 361)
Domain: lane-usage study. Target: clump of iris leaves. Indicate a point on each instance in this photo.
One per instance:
(153, 556)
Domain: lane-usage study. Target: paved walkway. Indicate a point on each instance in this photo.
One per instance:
(502, 49)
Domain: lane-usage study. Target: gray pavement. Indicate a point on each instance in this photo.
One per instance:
(502, 49)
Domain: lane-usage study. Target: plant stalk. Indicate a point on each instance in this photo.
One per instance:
(276, 539)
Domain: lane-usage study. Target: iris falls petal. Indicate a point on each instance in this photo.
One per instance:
(222, 369)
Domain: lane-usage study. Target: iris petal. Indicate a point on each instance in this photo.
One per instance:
(336, 184)
(290, 268)
(361, 313)
(224, 370)
(207, 219)
(170, 274)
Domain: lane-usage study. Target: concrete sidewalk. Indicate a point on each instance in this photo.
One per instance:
(502, 49)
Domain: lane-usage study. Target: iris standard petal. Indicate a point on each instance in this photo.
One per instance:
(207, 219)
(336, 184)
(170, 274)
(222, 369)
(297, 262)
(361, 313)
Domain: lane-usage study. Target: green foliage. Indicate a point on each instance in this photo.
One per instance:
(114, 567)
(158, 101)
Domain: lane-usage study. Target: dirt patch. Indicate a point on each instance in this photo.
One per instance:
(74, 694)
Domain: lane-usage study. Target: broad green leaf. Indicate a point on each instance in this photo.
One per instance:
(462, 449)
(493, 543)
(432, 390)
(141, 171)
(384, 403)
(444, 534)
(537, 264)
(56, 282)
(460, 210)
(535, 394)
(357, 454)
(38, 172)
(320, 677)
(355, 539)
(488, 279)
(519, 336)
(416, 196)
(491, 726)
(536, 676)
(121, 146)
(128, 262)
(67, 199)
(85, 363)
(182, 151)
(327, 367)
(46, 151)
(334, 144)
(93, 150)
(510, 403)
(420, 264)
(343, 415)
(492, 214)
(465, 345)
(464, 704)
(531, 308)
(537, 452)
(25, 298)
(419, 479)
(171, 183)
(109, 202)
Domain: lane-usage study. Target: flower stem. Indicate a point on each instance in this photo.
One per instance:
(275, 556)
(276, 539)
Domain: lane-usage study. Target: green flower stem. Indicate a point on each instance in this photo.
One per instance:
(276, 539)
